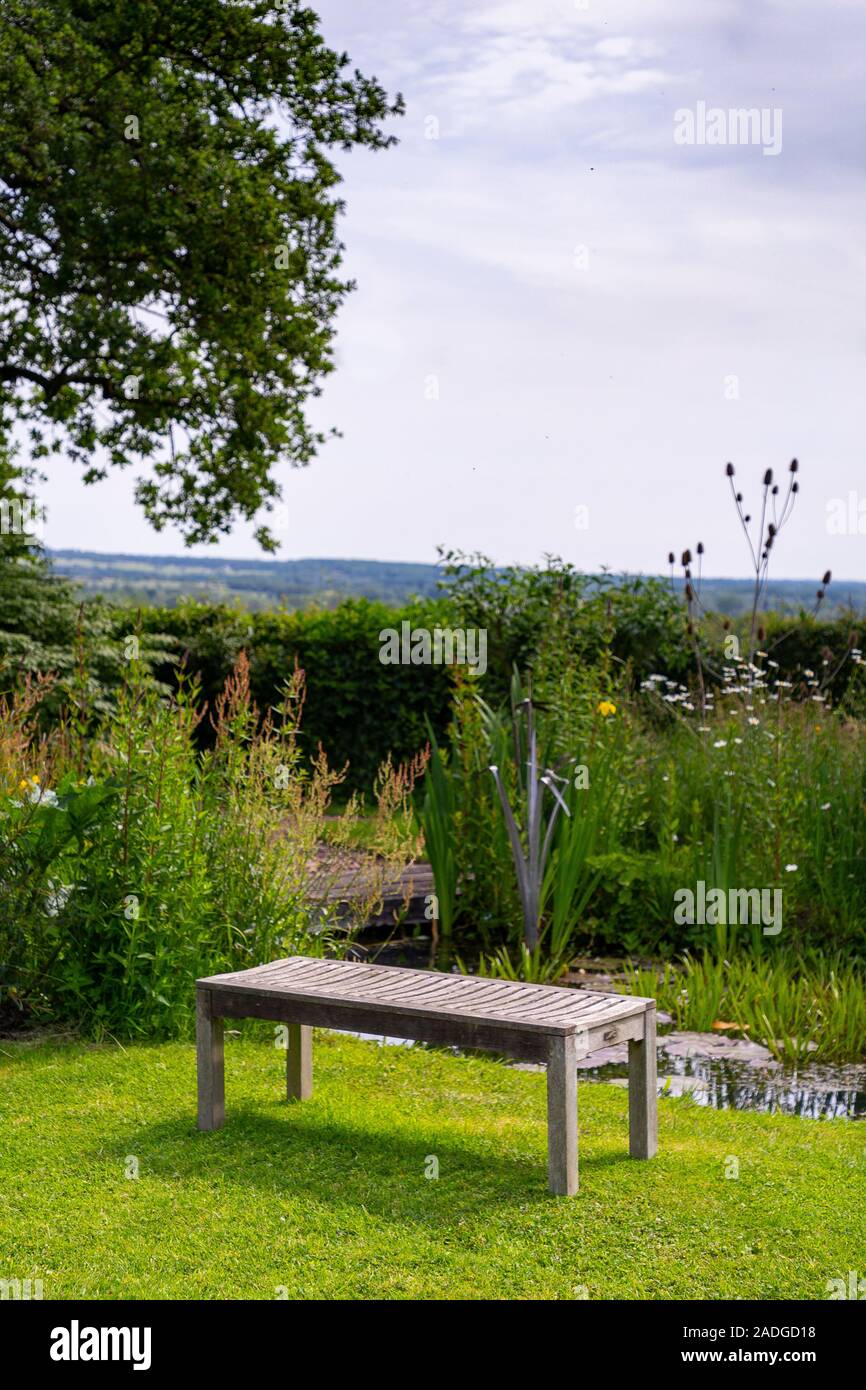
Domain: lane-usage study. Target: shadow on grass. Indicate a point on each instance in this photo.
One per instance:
(299, 1153)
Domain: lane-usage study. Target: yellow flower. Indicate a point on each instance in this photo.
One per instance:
(35, 781)
(22, 785)
(606, 707)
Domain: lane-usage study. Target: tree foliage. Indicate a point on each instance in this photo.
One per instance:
(169, 257)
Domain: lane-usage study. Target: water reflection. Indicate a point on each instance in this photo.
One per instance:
(816, 1092)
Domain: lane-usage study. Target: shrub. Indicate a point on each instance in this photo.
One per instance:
(152, 864)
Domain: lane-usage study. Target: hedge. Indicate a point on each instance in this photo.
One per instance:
(357, 708)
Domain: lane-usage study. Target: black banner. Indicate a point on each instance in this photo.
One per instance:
(151, 1338)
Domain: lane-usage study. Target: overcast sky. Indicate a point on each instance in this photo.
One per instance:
(559, 306)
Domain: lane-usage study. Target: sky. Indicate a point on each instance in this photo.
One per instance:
(575, 304)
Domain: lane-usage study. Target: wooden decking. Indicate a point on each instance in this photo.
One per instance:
(539, 1023)
(404, 898)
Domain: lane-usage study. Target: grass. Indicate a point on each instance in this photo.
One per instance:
(803, 1010)
(329, 1200)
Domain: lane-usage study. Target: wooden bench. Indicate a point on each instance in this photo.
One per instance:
(536, 1023)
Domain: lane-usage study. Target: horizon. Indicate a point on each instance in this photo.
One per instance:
(275, 560)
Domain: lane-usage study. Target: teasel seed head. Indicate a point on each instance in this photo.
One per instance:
(729, 470)
(768, 477)
(793, 466)
(687, 558)
(828, 575)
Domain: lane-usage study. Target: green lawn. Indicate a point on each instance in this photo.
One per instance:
(329, 1198)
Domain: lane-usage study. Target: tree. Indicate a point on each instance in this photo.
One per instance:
(169, 258)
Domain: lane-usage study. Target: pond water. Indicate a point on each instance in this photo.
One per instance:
(816, 1092)
(736, 1074)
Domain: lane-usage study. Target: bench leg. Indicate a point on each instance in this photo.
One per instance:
(210, 1068)
(299, 1062)
(562, 1116)
(643, 1092)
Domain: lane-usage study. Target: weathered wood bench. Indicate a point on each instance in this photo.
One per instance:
(536, 1023)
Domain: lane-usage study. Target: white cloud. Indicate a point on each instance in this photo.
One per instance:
(626, 47)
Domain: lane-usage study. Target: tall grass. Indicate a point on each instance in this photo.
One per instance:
(766, 790)
(506, 865)
(802, 1009)
(437, 814)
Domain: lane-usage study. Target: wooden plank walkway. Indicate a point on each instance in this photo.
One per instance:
(404, 898)
(539, 1023)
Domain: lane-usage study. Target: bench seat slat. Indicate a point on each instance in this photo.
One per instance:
(393, 990)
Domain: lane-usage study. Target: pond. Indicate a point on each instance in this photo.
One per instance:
(819, 1091)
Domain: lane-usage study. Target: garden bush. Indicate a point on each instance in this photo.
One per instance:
(132, 863)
